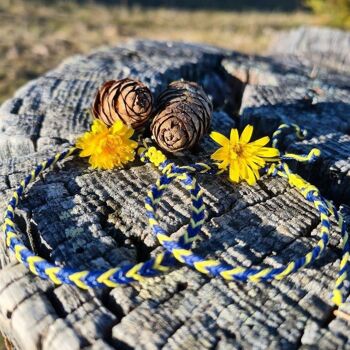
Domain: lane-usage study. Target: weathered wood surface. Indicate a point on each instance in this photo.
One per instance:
(323, 47)
(86, 218)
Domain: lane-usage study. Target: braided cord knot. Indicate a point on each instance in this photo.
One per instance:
(304, 187)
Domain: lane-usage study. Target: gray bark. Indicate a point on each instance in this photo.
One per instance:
(95, 219)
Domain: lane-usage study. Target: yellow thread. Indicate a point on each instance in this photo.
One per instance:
(340, 279)
(202, 266)
(70, 151)
(199, 210)
(153, 222)
(179, 253)
(344, 260)
(149, 207)
(345, 239)
(337, 297)
(57, 156)
(167, 168)
(18, 249)
(308, 258)
(189, 240)
(105, 278)
(15, 196)
(162, 187)
(324, 217)
(286, 271)
(196, 224)
(257, 277)
(163, 238)
(190, 187)
(158, 263)
(324, 229)
(171, 175)
(10, 235)
(31, 262)
(182, 176)
(9, 222)
(51, 272)
(228, 274)
(133, 272)
(150, 195)
(189, 168)
(76, 278)
(198, 196)
(321, 245)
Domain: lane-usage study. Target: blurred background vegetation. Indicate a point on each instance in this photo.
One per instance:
(36, 35)
(335, 12)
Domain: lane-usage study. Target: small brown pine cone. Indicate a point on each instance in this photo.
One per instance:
(183, 116)
(128, 100)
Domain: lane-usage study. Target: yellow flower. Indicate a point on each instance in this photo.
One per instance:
(155, 156)
(107, 147)
(244, 158)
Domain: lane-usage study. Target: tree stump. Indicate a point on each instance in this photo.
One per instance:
(83, 218)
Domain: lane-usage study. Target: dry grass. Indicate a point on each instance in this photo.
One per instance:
(36, 36)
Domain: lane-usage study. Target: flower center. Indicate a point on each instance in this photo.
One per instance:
(236, 151)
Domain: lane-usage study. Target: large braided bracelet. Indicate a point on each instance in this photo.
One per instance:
(98, 278)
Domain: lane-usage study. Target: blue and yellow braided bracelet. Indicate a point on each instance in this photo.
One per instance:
(180, 250)
(97, 278)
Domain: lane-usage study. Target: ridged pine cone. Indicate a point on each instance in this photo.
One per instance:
(128, 100)
(183, 116)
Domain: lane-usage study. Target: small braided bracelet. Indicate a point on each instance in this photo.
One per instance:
(180, 250)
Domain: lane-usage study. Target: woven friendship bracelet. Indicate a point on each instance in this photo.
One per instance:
(180, 250)
(216, 268)
(98, 278)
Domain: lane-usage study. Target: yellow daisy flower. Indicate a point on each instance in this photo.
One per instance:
(244, 158)
(107, 147)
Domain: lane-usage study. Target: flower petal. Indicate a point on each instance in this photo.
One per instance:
(259, 161)
(251, 180)
(234, 171)
(255, 165)
(263, 141)
(268, 152)
(246, 134)
(256, 173)
(98, 126)
(219, 138)
(234, 137)
(221, 154)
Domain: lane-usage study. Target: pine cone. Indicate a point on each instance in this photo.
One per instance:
(183, 116)
(128, 100)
